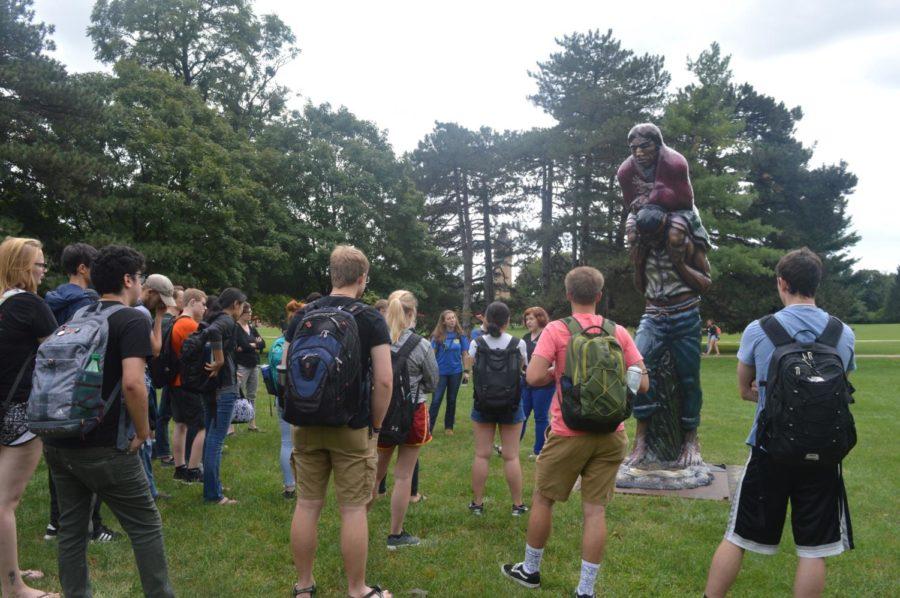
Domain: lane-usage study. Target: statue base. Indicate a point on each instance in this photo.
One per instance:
(664, 477)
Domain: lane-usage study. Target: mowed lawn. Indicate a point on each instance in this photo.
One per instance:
(656, 546)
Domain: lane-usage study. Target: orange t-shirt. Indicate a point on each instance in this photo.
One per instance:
(184, 326)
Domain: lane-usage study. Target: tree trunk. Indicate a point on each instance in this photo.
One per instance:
(546, 226)
(488, 245)
(585, 224)
(465, 227)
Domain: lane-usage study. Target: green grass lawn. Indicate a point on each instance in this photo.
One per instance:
(656, 546)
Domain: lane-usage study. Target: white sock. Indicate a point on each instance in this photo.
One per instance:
(588, 578)
(532, 559)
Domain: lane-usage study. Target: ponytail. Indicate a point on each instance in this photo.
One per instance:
(401, 308)
(496, 316)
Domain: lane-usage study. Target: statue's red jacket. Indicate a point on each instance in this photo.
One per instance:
(672, 188)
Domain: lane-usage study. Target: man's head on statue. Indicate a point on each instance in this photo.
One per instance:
(644, 141)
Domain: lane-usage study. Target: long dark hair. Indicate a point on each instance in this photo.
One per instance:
(226, 299)
(496, 316)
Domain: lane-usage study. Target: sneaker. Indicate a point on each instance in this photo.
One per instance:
(104, 534)
(180, 474)
(449, 431)
(577, 595)
(51, 532)
(519, 510)
(498, 449)
(402, 539)
(516, 572)
(476, 509)
(289, 494)
(194, 476)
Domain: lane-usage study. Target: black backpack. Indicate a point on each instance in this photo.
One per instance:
(399, 418)
(806, 418)
(323, 362)
(194, 356)
(497, 377)
(165, 366)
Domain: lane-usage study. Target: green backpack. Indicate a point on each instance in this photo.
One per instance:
(594, 393)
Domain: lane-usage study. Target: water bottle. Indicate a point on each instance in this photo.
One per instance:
(633, 378)
(93, 365)
(208, 356)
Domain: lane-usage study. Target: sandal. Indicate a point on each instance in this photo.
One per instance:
(417, 498)
(31, 574)
(375, 592)
(227, 501)
(311, 590)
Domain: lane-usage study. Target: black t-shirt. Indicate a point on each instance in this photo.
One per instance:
(222, 329)
(247, 356)
(129, 336)
(24, 318)
(373, 332)
(530, 344)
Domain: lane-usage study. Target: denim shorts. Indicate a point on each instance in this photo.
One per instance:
(513, 417)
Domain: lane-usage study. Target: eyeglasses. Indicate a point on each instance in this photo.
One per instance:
(42, 265)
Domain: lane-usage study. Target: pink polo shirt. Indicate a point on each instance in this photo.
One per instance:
(552, 347)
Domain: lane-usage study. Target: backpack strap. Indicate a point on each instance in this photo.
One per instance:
(513, 344)
(573, 325)
(831, 336)
(609, 327)
(775, 331)
(407, 347)
(15, 386)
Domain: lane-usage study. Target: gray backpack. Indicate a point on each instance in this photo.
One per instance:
(66, 391)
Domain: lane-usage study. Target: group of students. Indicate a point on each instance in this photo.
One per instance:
(342, 421)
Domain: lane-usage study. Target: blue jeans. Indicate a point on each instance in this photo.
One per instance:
(161, 447)
(450, 383)
(145, 453)
(218, 417)
(287, 447)
(680, 333)
(537, 399)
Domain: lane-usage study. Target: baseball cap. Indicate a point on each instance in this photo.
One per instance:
(162, 285)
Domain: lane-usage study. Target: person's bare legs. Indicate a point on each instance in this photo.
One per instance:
(17, 464)
(197, 449)
(403, 470)
(540, 521)
(381, 467)
(304, 539)
(593, 539)
(179, 437)
(355, 548)
(484, 438)
(809, 581)
(512, 469)
(724, 569)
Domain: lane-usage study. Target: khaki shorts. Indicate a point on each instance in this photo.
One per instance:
(595, 457)
(349, 453)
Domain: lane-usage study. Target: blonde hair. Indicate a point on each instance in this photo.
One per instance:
(400, 310)
(347, 264)
(193, 295)
(16, 262)
(439, 334)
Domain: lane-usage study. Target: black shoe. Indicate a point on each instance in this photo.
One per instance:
(104, 534)
(402, 540)
(476, 509)
(519, 510)
(194, 476)
(289, 494)
(577, 595)
(181, 473)
(516, 572)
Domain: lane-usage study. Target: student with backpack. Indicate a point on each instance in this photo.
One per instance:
(586, 356)
(451, 345)
(25, 321)
(339, 381)
(208, 367)
(276, 351)
(406, 425)
(187, 406)
(499, 359)
(64, 301)
(96, 450)
(162, 448)
(794, 366)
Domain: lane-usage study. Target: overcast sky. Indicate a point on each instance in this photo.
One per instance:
(404, 65)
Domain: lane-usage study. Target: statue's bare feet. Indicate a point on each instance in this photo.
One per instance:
(640, 445)
(690, 452)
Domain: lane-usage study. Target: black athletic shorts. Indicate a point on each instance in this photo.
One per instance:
(187, 407)
(820, 518)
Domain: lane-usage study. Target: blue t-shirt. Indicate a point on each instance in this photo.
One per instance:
(449, 353)
(803, 322)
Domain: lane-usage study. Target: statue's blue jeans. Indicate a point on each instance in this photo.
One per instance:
(680, 333)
